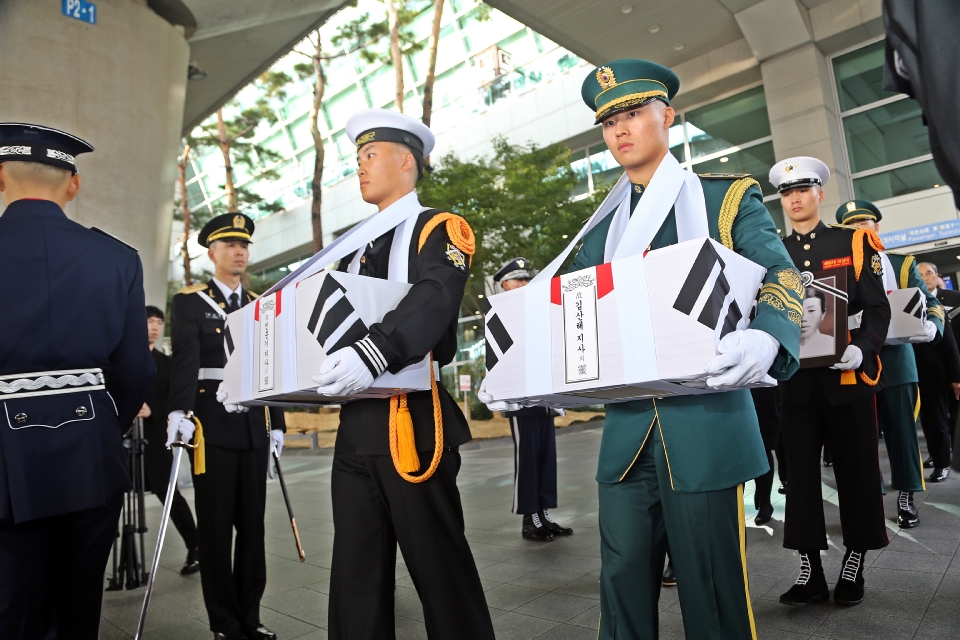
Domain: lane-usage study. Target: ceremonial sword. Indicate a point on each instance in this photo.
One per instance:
(178, 448)
(283, 487)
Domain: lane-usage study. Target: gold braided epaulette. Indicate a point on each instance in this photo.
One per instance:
(844, 226)
(724, 176)
(193, 288)
(731, 206)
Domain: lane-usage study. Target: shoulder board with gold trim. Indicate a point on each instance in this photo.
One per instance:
(112, 237)
(252, 295)
(843, 226)
(723, 176)
(194, 288)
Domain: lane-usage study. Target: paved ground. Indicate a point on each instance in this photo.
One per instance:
(550, 591)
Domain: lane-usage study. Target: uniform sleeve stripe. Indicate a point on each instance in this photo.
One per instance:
(377, 362)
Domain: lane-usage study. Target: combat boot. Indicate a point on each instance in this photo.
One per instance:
(533, 529)
(811, 585)
(907, 516)
(553, 527)
(849, 589)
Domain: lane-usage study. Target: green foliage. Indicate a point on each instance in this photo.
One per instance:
(517, 202)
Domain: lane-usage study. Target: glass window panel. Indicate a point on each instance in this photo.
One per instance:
(676, 141)
(341, 73)
(300, 132)
(194, 194)
(278, 143)
(885, 135)
(521, 46)
(480, 34)
(344, 105)
(581, 168)
(756, 161)
(859, 76)
(450, 51)
(605, 169)
(733, 121)
(898, 182)
(381, 85)
(453, 84)
(298, 104)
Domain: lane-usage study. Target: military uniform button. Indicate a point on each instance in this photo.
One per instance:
(806, 247)
(806, 263)
(20, 418)
(813, 236)
(218, 329)
(81, 411)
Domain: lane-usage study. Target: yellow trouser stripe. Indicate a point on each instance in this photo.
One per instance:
(743, 560)
(916, 416)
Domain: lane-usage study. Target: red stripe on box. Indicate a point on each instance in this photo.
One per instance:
(279, 291)
(256, 311)
(604, 279)
(555, 290)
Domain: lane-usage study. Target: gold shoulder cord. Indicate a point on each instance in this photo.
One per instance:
(905, 271)
(849, 377)
(730, 208)
(403, 445)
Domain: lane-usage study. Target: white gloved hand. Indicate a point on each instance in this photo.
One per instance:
(343, 373)
(222, 397)
(498, 405)
(179, 425)
(852, 359)
(929, 333)
(276, 442)
(558, 412)
(745, 357)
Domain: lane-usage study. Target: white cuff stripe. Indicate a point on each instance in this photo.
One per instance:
(373, 354)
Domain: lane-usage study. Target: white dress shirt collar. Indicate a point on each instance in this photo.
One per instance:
(226, 291)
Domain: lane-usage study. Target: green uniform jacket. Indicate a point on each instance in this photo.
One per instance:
(712, 441)
(898, 361)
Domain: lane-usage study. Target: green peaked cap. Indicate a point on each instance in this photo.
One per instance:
(626, 83)
(854, 210)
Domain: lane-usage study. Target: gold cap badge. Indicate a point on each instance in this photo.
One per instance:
(238, 222)
(787, 168)
(365, 138)
(851, 206)
(606, 78)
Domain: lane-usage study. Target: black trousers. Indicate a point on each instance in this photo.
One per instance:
(374, 510)
(232, 495)
(935, 421)
(851, 432)
(157, 462)
(51, 574)
(534, 463)
(766, 401)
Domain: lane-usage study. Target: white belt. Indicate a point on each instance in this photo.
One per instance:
(44, 383)
(210, 374)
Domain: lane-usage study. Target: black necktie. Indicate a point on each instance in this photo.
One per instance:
(234, 302)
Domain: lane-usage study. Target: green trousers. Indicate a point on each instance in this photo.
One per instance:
(707, 545)
(898, 408)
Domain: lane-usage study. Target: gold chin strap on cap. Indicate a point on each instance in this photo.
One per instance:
(403, 445)
(199, 448)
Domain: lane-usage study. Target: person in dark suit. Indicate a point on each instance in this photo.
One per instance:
(74, 371)
(767, 403)
(230, 493)
(157, 459)
(534, 444)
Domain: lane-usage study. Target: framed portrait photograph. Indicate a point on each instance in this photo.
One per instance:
(823, 327)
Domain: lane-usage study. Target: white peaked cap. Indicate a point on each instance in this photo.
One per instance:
(367, 120)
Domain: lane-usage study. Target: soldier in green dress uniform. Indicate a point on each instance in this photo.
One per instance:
(675, 467)
(898, 403)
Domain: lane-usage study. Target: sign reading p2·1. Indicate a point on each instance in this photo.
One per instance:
(80, 10)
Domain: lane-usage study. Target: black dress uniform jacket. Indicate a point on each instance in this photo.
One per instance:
(196, 332)
(425, 321)
(73, 299)
(812, 252)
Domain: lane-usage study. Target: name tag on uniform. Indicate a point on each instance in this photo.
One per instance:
(836, 263)
(210, 315)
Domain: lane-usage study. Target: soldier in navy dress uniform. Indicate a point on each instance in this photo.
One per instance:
(833, 405)
(231, 493)
(75, 369)
(534, 444)
(378, 502)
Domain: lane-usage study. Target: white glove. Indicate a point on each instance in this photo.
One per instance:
(276, 442)
(745, 357)
(852, 359)
(231, 408)
(929, 333)
(179, 425)
(498, 405)
(558, 412)
(343, 373)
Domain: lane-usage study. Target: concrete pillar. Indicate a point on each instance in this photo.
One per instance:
(804, 119)
(119, 84)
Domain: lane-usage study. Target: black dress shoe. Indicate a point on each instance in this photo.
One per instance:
(939, 475)
(237, 634)
(765, 515)
(552, 526)
(260, 632)
(849, 589)
(533, 529)
(928, 463)
(669, 577)
(907, 516)
(192, 563)
(811, 585)
(783, 489)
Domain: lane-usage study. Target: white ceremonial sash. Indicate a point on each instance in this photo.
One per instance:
(889, 275)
